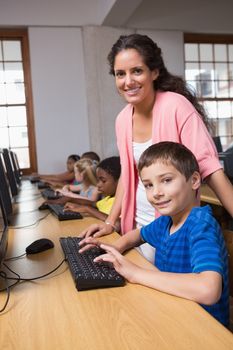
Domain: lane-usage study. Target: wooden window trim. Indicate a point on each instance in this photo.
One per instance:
(22, 35)
(208, 38)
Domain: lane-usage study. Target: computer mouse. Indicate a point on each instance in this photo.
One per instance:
(43, 206)
(39, 245)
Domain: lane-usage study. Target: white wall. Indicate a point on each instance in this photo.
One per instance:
(59, 95)
(75, 98)
(104, 103)
(172, 45)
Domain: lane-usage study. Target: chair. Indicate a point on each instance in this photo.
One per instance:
(228, 236)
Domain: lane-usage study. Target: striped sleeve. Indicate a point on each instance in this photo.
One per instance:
(206, 247)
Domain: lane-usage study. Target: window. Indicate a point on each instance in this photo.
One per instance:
(209, 71)
(16, 117)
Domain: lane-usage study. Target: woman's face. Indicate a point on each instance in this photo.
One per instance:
(134, 80)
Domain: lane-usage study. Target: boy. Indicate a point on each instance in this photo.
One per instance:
(191, 257)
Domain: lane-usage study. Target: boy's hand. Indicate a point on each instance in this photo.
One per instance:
(123, 266)
(88, 243)
(97, 230)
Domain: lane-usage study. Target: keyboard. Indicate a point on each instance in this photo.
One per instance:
(41, 185)
(49, 193)
(86, 273)
(57, 210)
(34, 179)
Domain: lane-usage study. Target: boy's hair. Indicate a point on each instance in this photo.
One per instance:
(91, 155)
(74, 157)
(170, 153)
(112, 166)
(88, 168)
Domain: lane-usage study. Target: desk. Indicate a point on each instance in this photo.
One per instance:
(220, 213)
(208, 196)
(51, 314)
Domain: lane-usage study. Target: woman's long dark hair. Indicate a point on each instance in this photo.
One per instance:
(152, 57)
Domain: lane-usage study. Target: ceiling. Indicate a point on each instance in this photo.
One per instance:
(211, 16)
(185, 15)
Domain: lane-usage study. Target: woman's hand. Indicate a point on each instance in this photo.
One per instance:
(97, 230)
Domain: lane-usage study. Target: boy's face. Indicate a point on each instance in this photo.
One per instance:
(168, 190)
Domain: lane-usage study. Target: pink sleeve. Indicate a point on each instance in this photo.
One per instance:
(196, 137)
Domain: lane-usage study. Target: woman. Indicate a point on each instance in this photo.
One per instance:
(160, 108)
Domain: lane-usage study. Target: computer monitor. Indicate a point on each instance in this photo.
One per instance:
(3, 232)
(218, 143)
(5, 188)
(10, 172)
(15, 167)
(226, 159)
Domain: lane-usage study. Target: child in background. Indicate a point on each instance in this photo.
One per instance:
(91, 155)
(191, 259)
(84, 170)
(63, 178)
(108, 172)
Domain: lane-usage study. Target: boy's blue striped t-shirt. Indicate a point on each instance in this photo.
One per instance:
(195, 247)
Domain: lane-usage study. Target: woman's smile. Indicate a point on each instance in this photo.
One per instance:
(134, 80)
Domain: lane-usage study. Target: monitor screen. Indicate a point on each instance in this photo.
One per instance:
(3, 232)
(226, 158)
(10, 172)
(218, 143)
(15, 167)
(5, 188)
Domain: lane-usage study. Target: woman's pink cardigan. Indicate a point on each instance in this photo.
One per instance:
(174, 119)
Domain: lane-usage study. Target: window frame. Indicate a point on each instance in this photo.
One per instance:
(22, 35)
(198, 38)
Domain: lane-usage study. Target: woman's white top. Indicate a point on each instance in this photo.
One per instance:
(145, 213)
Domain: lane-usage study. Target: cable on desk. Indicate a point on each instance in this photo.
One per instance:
(8, 293)
(15, 257)
(19, 279)
(4, 275)
(35, 223)
(33, 278)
